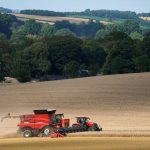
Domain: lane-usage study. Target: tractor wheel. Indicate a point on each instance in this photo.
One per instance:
(27, 133)
(47, 131)
(91, 129)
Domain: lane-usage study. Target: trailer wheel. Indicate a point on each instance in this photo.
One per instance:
(91, 129)
(27, 133)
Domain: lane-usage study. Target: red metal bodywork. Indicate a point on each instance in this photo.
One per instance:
(35, 121)
(90, 124)
(39, 121)
(65, 123)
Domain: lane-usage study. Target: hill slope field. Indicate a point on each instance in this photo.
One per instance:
(118, 102)
(145, 18)
(52, 20)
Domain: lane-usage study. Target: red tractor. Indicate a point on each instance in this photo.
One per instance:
(86, 124)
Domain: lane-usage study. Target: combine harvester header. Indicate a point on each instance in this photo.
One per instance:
(46, 123)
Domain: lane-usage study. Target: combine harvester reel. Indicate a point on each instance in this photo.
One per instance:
(8, 116)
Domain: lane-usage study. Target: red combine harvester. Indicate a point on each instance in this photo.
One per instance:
(47, 122)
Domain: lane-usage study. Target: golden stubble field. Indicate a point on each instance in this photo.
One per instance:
(76, 143)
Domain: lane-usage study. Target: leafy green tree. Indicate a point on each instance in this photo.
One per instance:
(42, 12)
(5, 24)
(120, 57)
(136, 36)
(1, 73)
(6, 61)
(5, 10)
(117, 65)
(142, 59)
(21, 71)
(82, 30)
(111, 39)
(94, 69)
(93, 55)
(19, 40)
(71, 69)
(130, 26)
(5, 56)
(101, 34)
(61, 51)
(142, 63)
(109, 14)
(32, 27)
(127, 26)
(36, 56)
(144, 46)
(64, 32)
(4, 45)
(30, 62)
(64, 25)
(113, 27)
(47, 30)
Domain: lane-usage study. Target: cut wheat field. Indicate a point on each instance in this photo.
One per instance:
(76, 143)
(145, 18)
(119, 103)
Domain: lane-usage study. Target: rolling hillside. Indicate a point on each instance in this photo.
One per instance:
(117, 102)
(52, 20)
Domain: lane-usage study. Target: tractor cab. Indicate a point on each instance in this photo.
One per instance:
(83, 120)
(59, 118)
(61, 121)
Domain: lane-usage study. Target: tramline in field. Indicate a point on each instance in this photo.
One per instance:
(46, 122)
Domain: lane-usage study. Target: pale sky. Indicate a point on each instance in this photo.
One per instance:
(78, 5)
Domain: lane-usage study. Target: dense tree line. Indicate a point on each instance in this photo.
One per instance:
(144, 14)
(98, 30)
(145, 23)
(110, 14)
(63, 28)
(42, 12)
(82, 30)
(35, 50)
(7, 22)
(5, 10)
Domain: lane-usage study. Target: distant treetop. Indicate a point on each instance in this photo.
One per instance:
(42, 12)
(5, 10)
